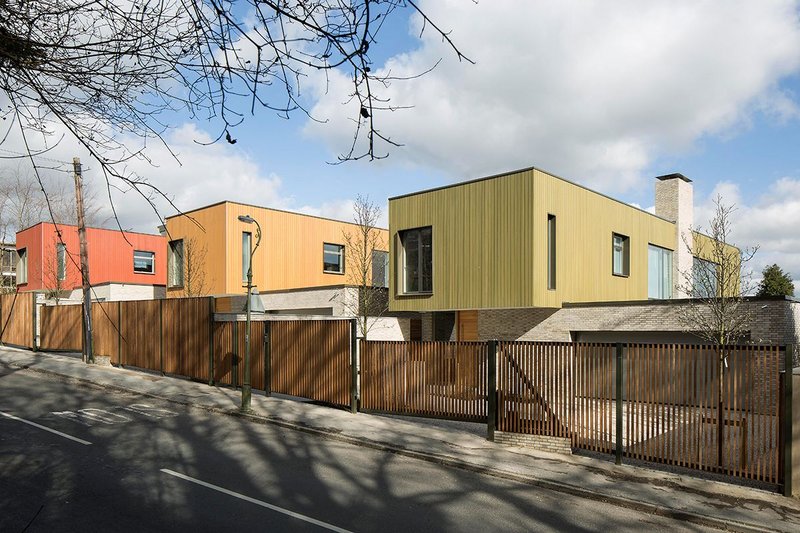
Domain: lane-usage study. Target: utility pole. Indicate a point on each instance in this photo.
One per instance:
(88, 353)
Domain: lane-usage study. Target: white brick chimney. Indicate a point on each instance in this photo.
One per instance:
(675, 202)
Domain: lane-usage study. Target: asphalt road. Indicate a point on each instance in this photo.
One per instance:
(80, 458)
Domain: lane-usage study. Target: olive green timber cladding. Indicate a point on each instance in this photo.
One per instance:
(490, 243)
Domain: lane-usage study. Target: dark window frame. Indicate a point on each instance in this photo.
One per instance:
(152, 270)
(552, 238)
(172, 271)
(339, 252)
(626, 255)
(403, 236)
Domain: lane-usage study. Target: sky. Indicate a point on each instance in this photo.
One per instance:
(608, 94)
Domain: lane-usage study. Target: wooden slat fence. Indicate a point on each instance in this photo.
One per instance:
(61, 328)
(311, 359)
(438, 379)
(229, 348)
(140, 330)
(534, 382)
(673, 410)
(593, 420)
(106, 339)
(16, 319)
(186, 331)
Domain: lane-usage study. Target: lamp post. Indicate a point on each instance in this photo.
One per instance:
(247, 219)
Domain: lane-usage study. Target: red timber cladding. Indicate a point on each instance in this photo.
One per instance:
(110, 256)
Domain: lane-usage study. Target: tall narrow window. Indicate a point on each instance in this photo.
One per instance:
(332, 258)
(61, 261)
(417, 260)
(380, 268)
(247, 239)
(175, 263)
(620, 245)
(704, 278)
(22, 266)
(659, 272)
(551, 252)
(144, 262)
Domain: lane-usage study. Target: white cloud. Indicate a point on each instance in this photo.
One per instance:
(590, 90)
(769, 221)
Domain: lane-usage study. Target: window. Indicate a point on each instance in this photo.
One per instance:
(704, 278)
(333, 258)
(175, 263)
(380, 268)
(659, 272)
(621, 263)
(144, 262)
(551, 252)
(247, 239)
(417, 261)
(61, 261)
(22, 266)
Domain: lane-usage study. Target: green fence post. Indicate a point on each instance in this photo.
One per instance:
(34, 347)
(619, 392)
(161, 334)
(353, 366)
(211, 340)
(267, 358)
(491, 390)
(235, 354)
(787, 419)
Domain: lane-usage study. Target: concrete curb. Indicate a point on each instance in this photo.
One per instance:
(444, 460)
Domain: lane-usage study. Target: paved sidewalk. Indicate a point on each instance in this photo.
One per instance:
(460, 445)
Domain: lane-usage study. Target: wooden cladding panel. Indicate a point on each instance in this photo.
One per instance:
(477, 222)
(186, 323)
(105, 330)
(16, 312)
(441, 379)
(140, 326)
(311, 359)
(61, 328)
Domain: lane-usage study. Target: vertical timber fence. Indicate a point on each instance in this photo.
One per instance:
(435, 379)
(17, 323)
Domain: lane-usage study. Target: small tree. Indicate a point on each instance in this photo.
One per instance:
(194, 257)
(361, 245)
(775, 282)
(718, 284)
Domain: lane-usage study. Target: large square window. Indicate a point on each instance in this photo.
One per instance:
(620, 246)
(659, 272)
(144, 262)
(417, 260)
(333, 258)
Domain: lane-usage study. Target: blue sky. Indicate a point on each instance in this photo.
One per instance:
(607, 94)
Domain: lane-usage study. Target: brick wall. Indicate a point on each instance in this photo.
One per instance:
(539, 442)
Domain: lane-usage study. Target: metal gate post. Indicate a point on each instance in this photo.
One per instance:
(619, 392)
(491, 390)
(353, 366)
(787, 419)
(267, 358)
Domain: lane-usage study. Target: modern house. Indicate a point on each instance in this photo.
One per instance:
(302, 265)
(505, 256)
(122, 266)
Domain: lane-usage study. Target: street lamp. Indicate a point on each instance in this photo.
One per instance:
(247, 219)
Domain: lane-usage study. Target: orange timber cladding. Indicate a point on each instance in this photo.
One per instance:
(671, 407)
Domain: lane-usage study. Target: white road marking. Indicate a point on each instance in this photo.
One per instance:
(34, 424)
(148, 410)
(293, 514)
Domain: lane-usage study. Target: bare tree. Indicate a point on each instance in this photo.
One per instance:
(194, 257)
(54, 272)
(107, 71)
(718, 283)
(365, 258)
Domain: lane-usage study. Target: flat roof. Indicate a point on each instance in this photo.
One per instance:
(215, 204)
(527, 169)
(59, 224)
